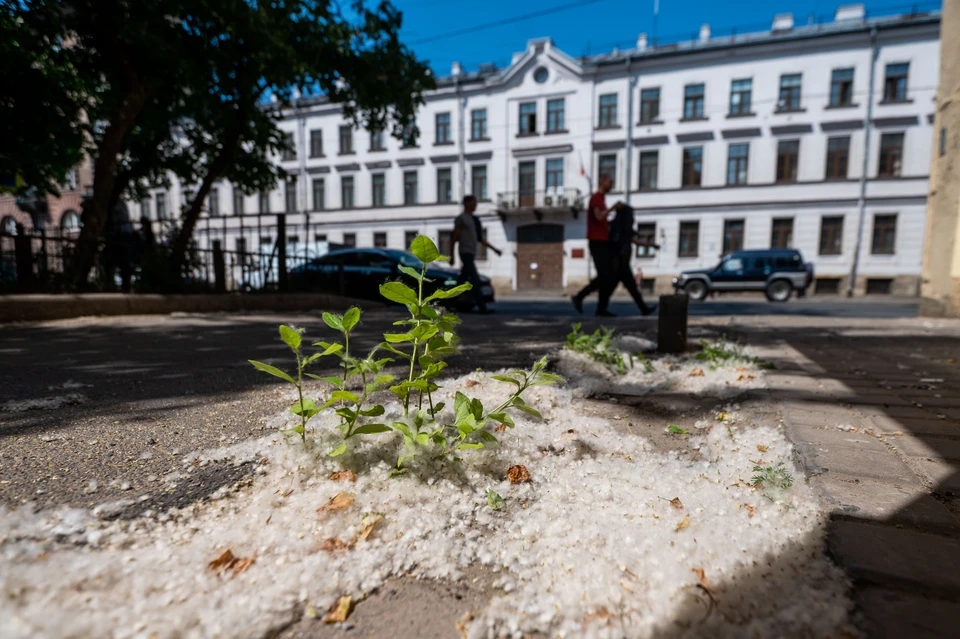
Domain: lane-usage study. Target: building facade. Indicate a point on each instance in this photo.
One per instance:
(816, 137)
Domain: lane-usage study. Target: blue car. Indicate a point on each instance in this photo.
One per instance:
(359, 273)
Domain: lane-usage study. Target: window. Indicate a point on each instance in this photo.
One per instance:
(540, 75)
(528, 118)
(649, 106)
(263, 201)
(692, 166)
(213, 203)
(732, 236)
(161, 206)
(144, 210)
(378, 189)
(380, 239)
(293, 239)
(290, 195)
(350, 240)
(555, 175)
(647, 232)
(648, 170)
(240, 245)
(781, 235)
(319, 237)
(346, 192)
(443, 129)
(478, 124)
(884, 234)
(409, 137)
(689, 243)
(608, 111)
(237, 201)
(838, 154)
(693, 101)
(70, 222)
(608, 167)
(788, 153)
(895, 83)
(444, 185)
(879, 286)
(376, 141)
(478, 181)
(444, 241)
(265, 240)
(841, 87)
(316, 143)
(346, 139)
(527, 183)
(289, 151)
(891, 155)
(319, 195)
(790, 92)
(555, 123)
(737, 157)
(409, 187)
(408, 238)
(740, 92)
(831, 235)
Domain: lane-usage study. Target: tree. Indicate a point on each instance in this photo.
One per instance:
(180, 87)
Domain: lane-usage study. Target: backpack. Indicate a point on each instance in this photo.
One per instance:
(621, 228)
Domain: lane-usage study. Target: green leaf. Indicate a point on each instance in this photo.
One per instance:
(387, 347)
(423, 332)
(372, 429)
(398, 292)
(487, 437)
(347, 413)
(424, 248)
(509, 380)
(273, 370)
(461, 407)
(403, 428)
(339, 450)
(290, 336)
(476, 408)
(398, 338)
(397, 472)
(383, 379)
(442, 294)
(494, 500)
(333, 321)
(503, 418)
(550, 377)
(676, 430)
(529, 410)
(330, 379)
(470, 446)
(305, 406)
(350, 318)
(423, 438)
(373, 411)
(412, 272)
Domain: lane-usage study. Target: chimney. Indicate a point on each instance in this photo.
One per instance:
(782, 22)
(642, 42)
(704, 32)
(849, 12)
(456, 69)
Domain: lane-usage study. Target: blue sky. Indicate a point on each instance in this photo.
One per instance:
(596, 27)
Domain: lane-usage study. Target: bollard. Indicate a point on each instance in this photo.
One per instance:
(282, 253)
(219, 268)
(23, 249)
(672, 324)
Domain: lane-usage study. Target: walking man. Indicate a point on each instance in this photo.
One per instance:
(601, 249)
(468, 233)
(624, 237)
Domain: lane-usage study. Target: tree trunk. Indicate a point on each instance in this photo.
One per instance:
(104, 179)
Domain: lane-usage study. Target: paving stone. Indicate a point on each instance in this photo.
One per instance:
(879, 399)
(944, 475)
(855, 455)
(900, 412)
(908, 505)
(889, 424)
(933, 447)
(890, 614)
(898, 558)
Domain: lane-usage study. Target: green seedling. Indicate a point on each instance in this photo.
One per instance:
(771, 478)
(676, 430)
(597, 345)
(494, 499)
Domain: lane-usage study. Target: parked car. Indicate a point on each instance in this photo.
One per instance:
(779, 273)
(359, 272)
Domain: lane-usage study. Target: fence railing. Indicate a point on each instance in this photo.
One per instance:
(558, 197)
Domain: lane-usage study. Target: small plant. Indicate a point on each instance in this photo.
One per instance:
(676, 430)
(771, 478)
(725, 352)
(494, 499)
(429, 338)
(597, 345)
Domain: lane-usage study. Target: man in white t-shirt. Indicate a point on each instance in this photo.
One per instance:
(468, 233)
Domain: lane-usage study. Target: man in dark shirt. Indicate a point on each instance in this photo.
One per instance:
(624, 237)
(601, 250)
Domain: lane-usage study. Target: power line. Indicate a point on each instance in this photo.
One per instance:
(505, 21)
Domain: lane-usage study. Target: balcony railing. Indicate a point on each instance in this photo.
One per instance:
(554, 198)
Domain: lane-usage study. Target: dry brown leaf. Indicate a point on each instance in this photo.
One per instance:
(500, 428)
(676, 503)
(743, 376)
(228, 561)
(471, 383)
(741, 369)
(369, 523)
(343, 475)
(334, 544)
(696, 372)
(338, 502)
(702, 576)
(722, 417)
(462, 624)
(762, 449)
(951, 360)
(598, 614)
(340, 611)
(518, 474)
(750, 509)
(684, 523)
(757, 462)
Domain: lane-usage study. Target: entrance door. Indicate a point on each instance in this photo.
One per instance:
(540, 257)
(527, 183)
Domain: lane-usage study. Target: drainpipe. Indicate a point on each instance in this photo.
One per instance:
(862, 201)
(461, 106)
(628, 181)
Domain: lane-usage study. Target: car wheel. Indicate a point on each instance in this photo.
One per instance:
(696, 290)
(779, 291)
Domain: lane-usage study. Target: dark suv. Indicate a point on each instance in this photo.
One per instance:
(776, 272)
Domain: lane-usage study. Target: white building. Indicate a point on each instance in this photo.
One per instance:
(811, 136)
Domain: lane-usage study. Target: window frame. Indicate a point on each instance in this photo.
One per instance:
(836, 156)
(651, 183)
(841, 88)
(650, 105)
(442, 132)
(889, 227)
(693, 103)
(474, 177)
(556, 117)
(476, 120)
(346, 139)
(411, 197)
(376, 141)
(527, 112)
(692, 167)
(378, 189)
(831, 236)
(744, 104)
(890, 157)
(552, 173)
(781, 234)
(316, 143)
(738, 165)
(684, 233)
(787, 93)
(444, 179)
(322, 200)
(600, 172)
(646, 232)
(788, 161)
(238, 201)
(348, 202)
(895, 85)
(734, 234)
(607, 104)
(289, 151)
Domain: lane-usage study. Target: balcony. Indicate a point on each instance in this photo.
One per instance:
(529, 201)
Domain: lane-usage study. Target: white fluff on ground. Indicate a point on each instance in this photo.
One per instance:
(42, 403)
(590, 547)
